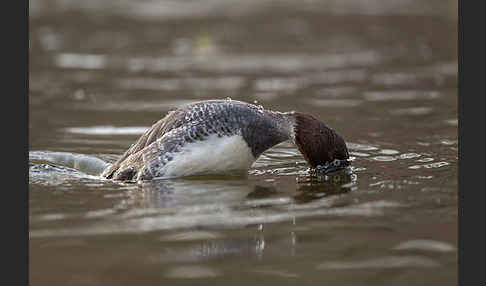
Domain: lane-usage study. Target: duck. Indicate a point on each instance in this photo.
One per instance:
(222, 136)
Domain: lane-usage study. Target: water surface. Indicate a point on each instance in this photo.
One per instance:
(384, 75)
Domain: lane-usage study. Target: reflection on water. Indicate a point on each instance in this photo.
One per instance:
(205, 201)
(383, 263)
(381, 73)
(339, 182)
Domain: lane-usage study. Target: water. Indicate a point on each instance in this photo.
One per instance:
(384, 75)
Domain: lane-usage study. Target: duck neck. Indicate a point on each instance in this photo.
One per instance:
(269, 130)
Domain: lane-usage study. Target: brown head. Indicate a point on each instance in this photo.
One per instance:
(318, 143)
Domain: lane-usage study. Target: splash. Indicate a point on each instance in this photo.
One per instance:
(89, 165)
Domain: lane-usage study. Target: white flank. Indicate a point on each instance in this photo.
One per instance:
(213, 155)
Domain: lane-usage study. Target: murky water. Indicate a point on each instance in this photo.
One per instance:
(382, 73)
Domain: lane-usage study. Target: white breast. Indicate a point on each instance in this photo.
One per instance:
(214, 155)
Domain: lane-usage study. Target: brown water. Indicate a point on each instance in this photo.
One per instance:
(382, 73)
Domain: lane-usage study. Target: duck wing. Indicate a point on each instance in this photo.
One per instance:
(171, 121)
(146, 158)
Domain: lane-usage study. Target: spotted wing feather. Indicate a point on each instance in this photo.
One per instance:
(146, 158)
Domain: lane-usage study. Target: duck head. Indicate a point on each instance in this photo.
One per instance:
(320, 145)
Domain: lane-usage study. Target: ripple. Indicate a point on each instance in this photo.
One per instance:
(49, 39)
(183, 10)
(384, 158)
(427, 245)
(391, 184)
(414, 111)
(266, 96)
(80, 61)
(87, 164)
(390, 79)
(279, 155)
(191, 235)
(51, 217)
(359, 154)
(415, 167)
(429, 166)
(336, 77)
(400, 95)
(276, 273)
(192, 272)
(389, 152)
(448, 142)
(222, 83)
(360, 147)
(336, 102)
(424, 160)
(278, 84)
(99, 213)
(227, 63)
(136, 106)
(452, 122)
(446, 68)
(229, 214)
(336, 91)
(51, 175)
(383, 262)
(409, 156)
(425, 177)
(107, 130)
